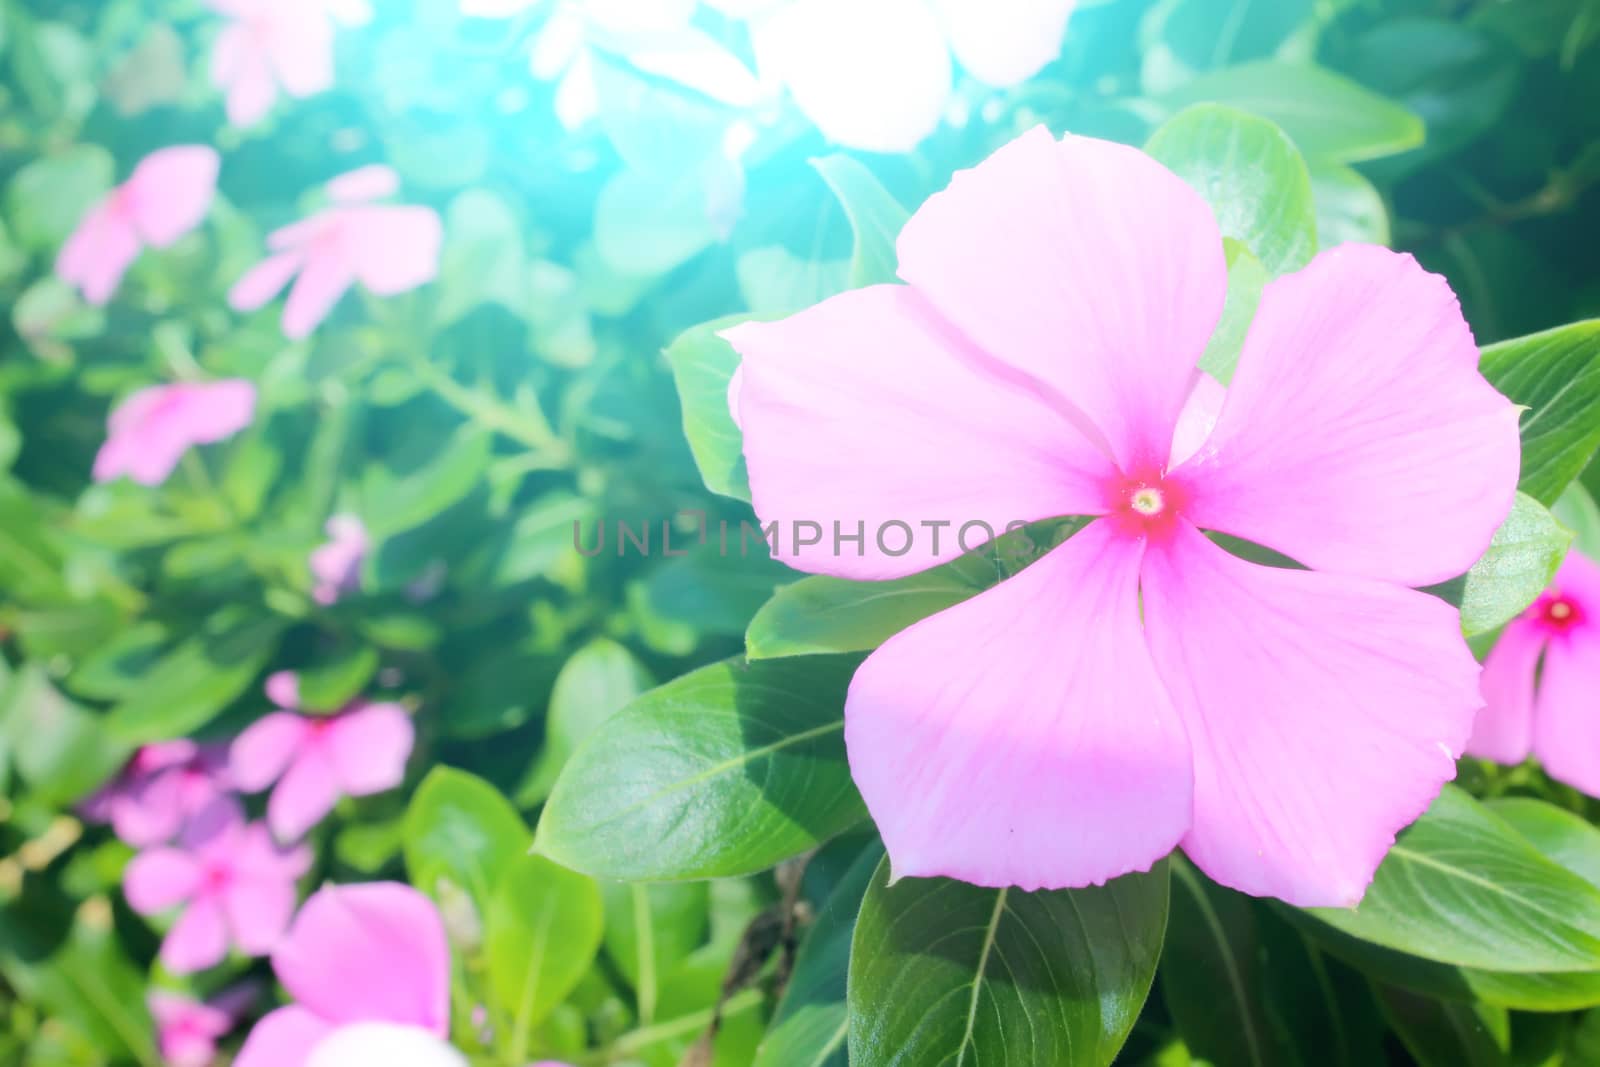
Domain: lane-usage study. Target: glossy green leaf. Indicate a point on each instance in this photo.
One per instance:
(725, 771)
(596, 682)
(1564, 836)
(1329, 117)
(460, 828)
(1521, 560)
(702, 365)
(875, 217)
(940, 970)
(1250, 173)
(1447, 1033)
(541, 935)
(1556, 375)
(1460, 886)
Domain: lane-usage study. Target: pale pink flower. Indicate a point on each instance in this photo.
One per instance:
(272, 44)
(1139, 687)
(233, 884)
(316, 759)
(357, 955)
(1542, 682)
(336, 565)
(163, 787)
(149, 432)
(188, 1030)
(167, 195)
(386, 247)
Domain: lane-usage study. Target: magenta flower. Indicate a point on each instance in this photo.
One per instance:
(1139, 687)
(233, 884)
(149, 432)
(168, 194)
(317, 759)
(162, 788)
(188, 1030)
(387, 248)
(268, 44)
(1541, 680)
(336, 565)
(357, 955)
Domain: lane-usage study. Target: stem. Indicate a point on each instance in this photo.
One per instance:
(527, 426)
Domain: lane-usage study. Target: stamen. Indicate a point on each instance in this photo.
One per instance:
(1148, 502)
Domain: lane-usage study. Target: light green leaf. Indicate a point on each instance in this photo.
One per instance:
(50, 195)
(59, 748)
(1556, 375)
(1564, 836)
(875, 217)
(424, 480)
(650, 930)
(723, 772)
(1521, 560)
(460, 828)
(1246, 280)
(595, 683)
(1248, 170)
(940, 969)
(1349, 207)
(702, 365)
(775, 281)
(1579, 513)
(483, 260)
(338, 678)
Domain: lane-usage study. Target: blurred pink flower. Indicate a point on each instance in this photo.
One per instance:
(1140, 687)
(357, 954)
(187, 1030)
(336, 565)
(151, 430)
(1541, 681)
(234, 885)
(387, 248)
(317, 759)
(163, 787)
(168, 194)
(269, 44)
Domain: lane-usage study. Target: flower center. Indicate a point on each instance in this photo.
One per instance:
(1148, 501)
(1561, 613)
(1145, 506)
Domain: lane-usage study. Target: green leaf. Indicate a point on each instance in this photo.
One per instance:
(483, 260)
(876, 218)
(1250, 173)
(1556, 375)
(542, 934)
(1579, 513)
(595, 683)
(1330, 117)
(939, 968)
(338, 678)
(702, 365)
(49, 196)
(1349, 207)
(430, 477)
(1522, 559)
(60, 749)
(1180, 37)
(1460, 886)
(648, 223)
(1246, 280)
(652, 929)
(195, 681)
(1445, 1033)
(775, 281)
(458, 827)
(725, 771)
(1566, 837)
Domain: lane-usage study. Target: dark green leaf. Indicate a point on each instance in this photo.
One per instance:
(1556, 375)
(433, 477)
(1447, 1033)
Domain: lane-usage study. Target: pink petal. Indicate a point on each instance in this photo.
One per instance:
(160, 878)
(258, 912)
(99, 252)
(1358, 435)
(1085, 265)
(149, 811)
(1566, 726)
(306, 794)
(263, 281)
(171, 190)
(364, 183)
(394, 249)
(262, 753)
(875, 375)
(215, 411)
(283, 689)
(384, 1045)
(1022, 737)
(1324, 711)
(323, 280)
(300, 49)
(1005, 42)
(148, 458)
(370, 952)
(283, 1039)
(244, 69)
(1503, 730)
(198, 940)
(369, 747)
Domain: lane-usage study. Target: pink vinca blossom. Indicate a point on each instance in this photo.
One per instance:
(162, 788)
(316, 759)
(1541, 681)
(367, 965)
(1139, 687)
(336, 565)
(386, 247)
(272, 44)
(149, 432)
(232, 883)
(168, 194)
(188, 1030)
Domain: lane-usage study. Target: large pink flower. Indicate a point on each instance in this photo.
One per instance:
(1542, 682)
(151, 430)
(358, 955)
(233, 885)
(269, 44)
(317, 759)
(161, 789)
(166, 196)
(1139, 687)
(387, 248)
